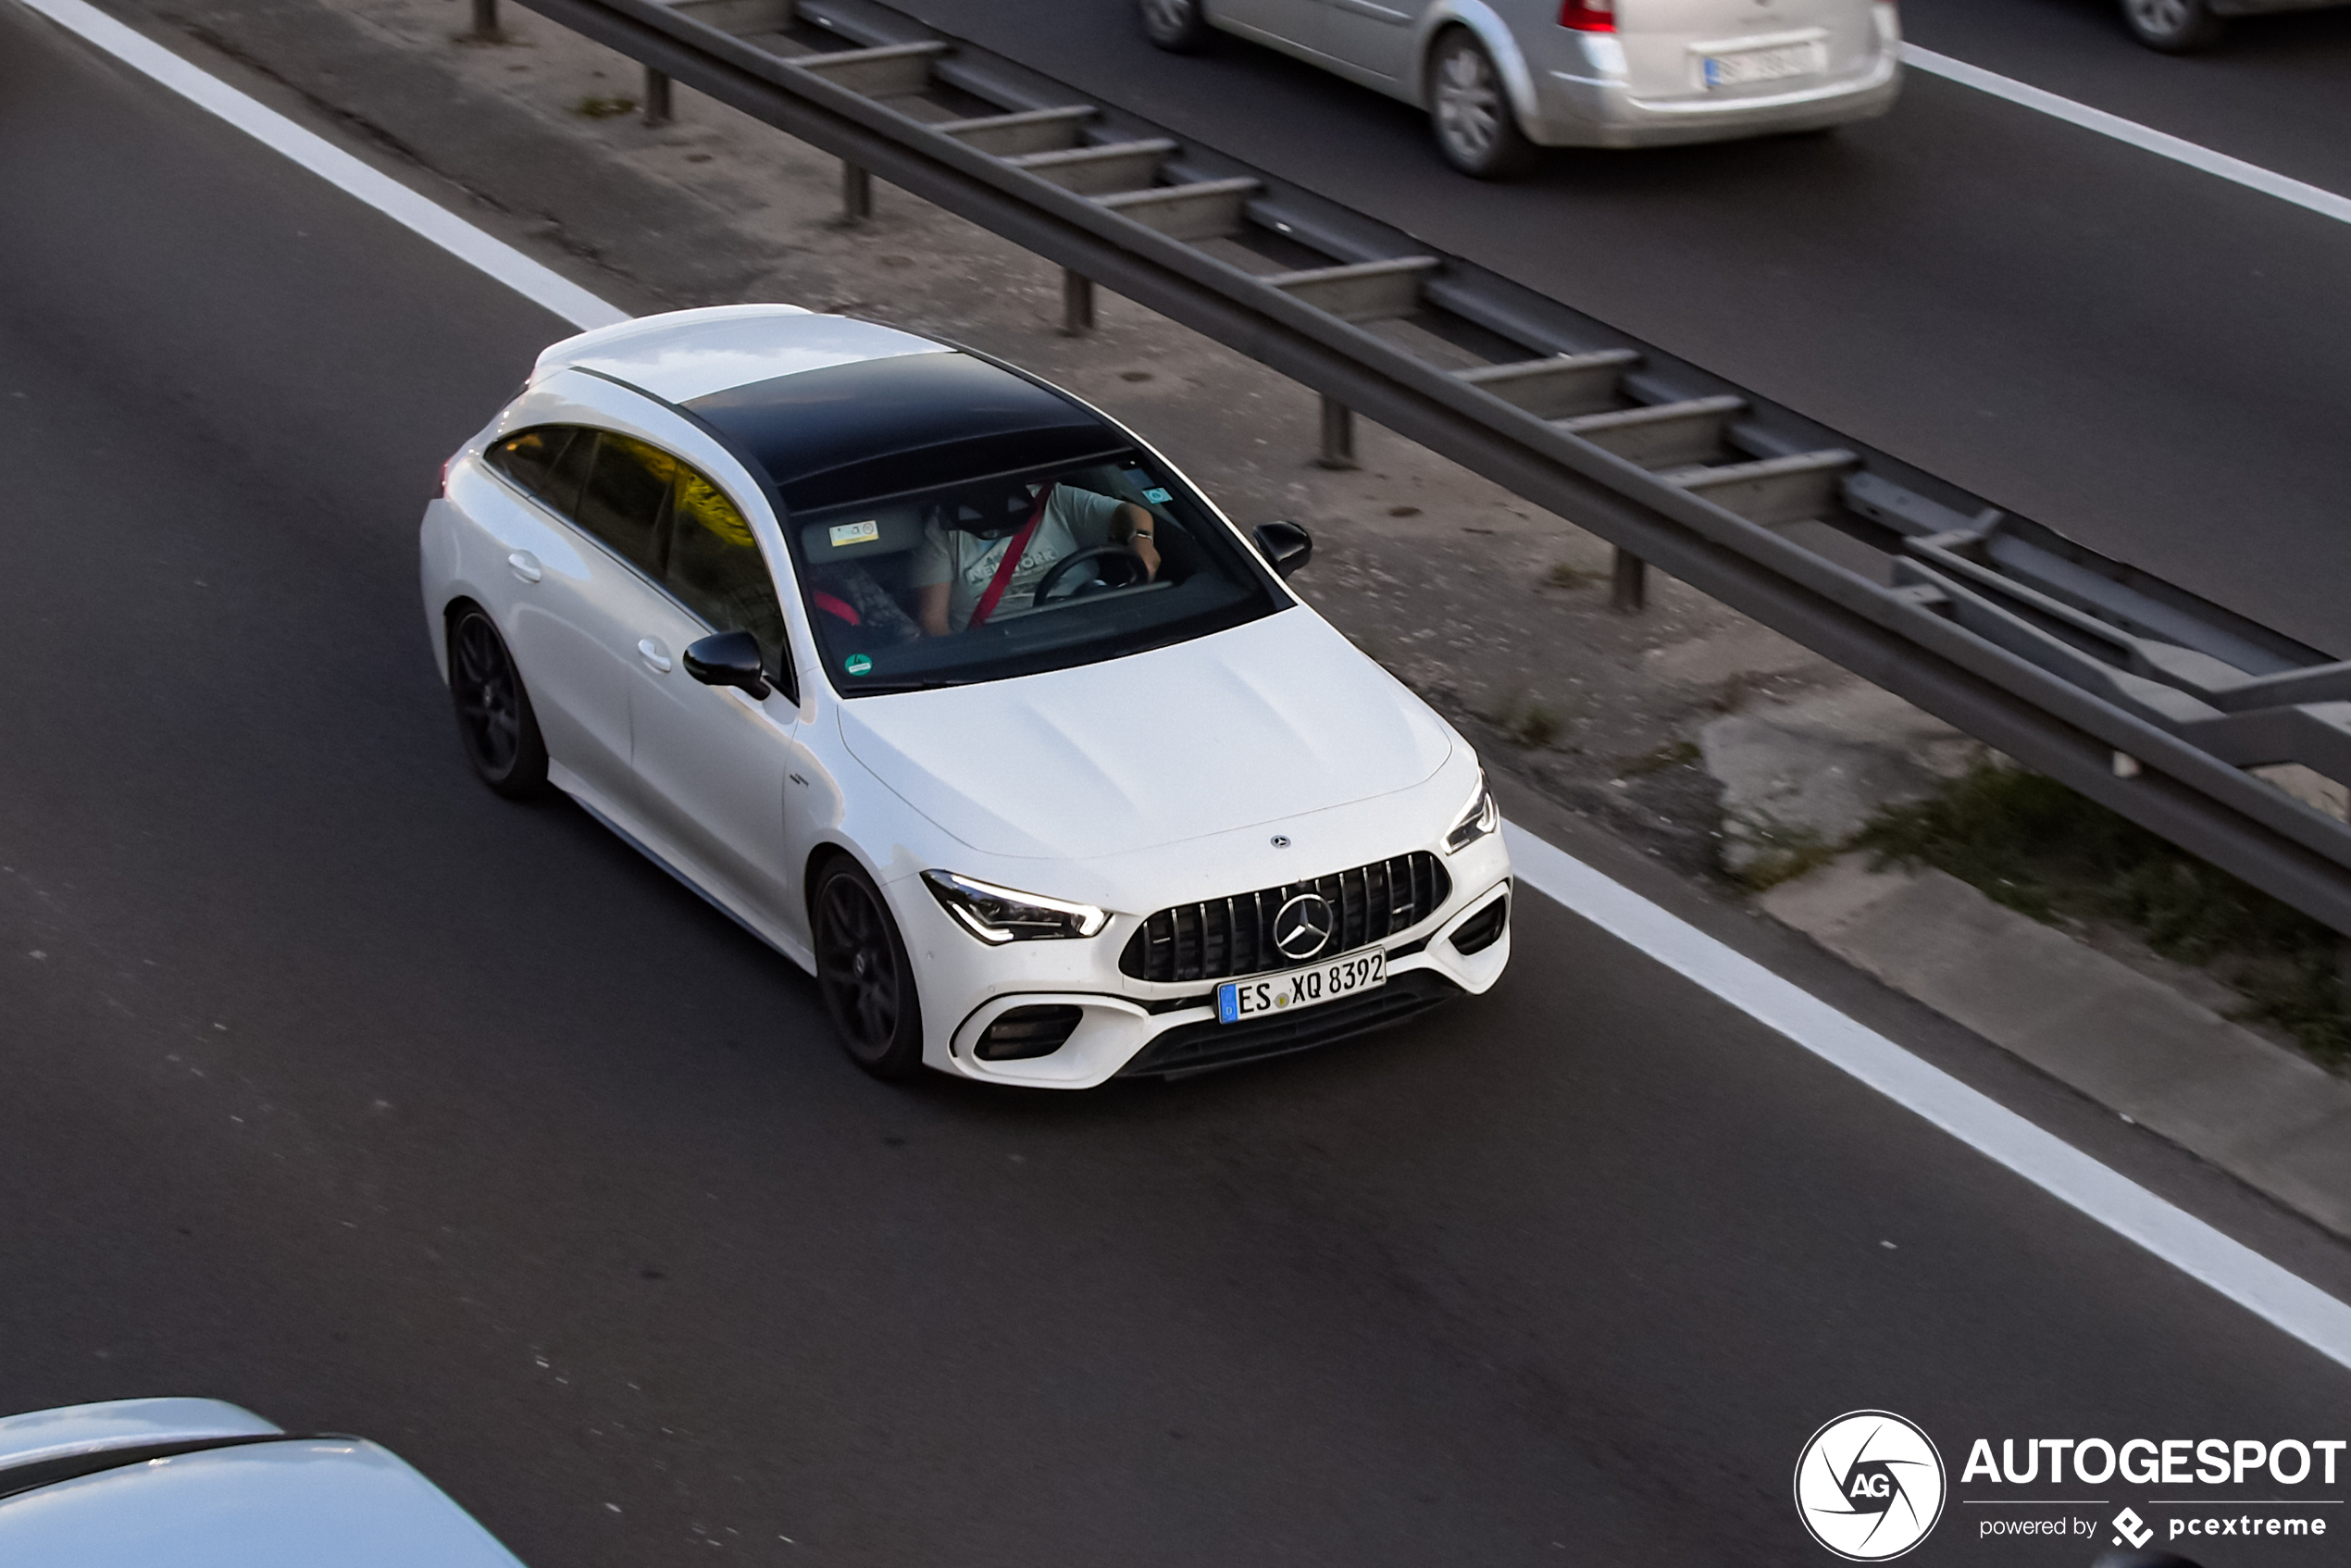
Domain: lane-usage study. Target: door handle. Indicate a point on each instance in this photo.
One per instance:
(526, 566)
(657, 657)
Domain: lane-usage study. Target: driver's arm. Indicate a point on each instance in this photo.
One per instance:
(931, 610)
(1134, 527)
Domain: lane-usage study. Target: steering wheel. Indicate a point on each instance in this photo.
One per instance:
(1122, 563)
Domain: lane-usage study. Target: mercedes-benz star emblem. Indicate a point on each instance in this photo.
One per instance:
(1303, 926)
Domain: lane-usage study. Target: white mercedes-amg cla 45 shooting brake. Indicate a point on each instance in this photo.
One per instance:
(950, 688)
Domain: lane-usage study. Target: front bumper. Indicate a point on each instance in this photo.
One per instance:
(1138, 1027)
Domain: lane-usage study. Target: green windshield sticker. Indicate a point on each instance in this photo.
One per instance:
(857, 664)
(1156, 496)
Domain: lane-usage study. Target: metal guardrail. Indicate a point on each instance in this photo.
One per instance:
(2136, 692)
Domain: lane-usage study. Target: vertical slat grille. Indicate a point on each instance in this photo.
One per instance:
(1218, 939)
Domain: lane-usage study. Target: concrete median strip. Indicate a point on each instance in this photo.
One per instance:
(2267, 1116)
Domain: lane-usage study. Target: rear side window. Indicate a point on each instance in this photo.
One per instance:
(530, 459)
(715, 568)
(621, 503)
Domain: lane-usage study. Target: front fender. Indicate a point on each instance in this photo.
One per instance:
(1518, 78)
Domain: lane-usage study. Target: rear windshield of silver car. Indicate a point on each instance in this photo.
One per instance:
(1016, 573)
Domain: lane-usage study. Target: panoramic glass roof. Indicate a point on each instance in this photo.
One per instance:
(886, 427)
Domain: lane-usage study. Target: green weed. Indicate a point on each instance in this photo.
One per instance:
(1673, 753)
(2034, 845)
(1528, 722)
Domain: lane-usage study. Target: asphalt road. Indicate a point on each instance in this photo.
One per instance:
(2139, 355)
(330, 1084)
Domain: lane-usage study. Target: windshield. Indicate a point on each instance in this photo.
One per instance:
(1013, 574)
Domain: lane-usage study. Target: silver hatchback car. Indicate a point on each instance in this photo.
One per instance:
(1500, 78)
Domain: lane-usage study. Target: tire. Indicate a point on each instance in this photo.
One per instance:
(2176, 27)
(1470, 112)
(500, 733)
(1176, 26)
(863, 970)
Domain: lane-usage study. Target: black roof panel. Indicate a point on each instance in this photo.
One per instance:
(885, 427)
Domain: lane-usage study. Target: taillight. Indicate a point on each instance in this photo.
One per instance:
(1588, 16)
(447, 464)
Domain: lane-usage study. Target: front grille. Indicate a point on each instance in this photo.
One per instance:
(1195, 1047)
(1222, 938)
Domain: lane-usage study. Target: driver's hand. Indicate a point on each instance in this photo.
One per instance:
(1140, 523)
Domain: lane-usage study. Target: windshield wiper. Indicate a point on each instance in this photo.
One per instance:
(883, 688)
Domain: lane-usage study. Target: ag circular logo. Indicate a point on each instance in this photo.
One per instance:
(1868, 1485)
(1303, 925)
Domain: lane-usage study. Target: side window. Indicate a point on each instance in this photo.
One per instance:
(537, 461)
(715, 568)
(622, 500)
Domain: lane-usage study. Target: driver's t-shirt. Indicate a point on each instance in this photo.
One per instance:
(1074, 520)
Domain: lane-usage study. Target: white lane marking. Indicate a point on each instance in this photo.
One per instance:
(2048, 1161)
(2178, 1239)
(537, 283)
(2252, 176)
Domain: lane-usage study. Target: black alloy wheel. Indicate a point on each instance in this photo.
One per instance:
(2176, 27)
(862, 968)
(1175, 26)
(500, 731)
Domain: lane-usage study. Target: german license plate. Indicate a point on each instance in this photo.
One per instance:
(1763, 64)
(1241, 1002)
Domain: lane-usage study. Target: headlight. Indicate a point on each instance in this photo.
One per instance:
(996, 916)
(1482, 819)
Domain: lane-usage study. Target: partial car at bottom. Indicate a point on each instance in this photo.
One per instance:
(1502, 77)
(956, 693)
(189, 1483)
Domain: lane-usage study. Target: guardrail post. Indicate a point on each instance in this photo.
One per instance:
(1077, 302)
(1339, 434)
(1628, 583)
(486, 26)
(856, 193)
(656, 96)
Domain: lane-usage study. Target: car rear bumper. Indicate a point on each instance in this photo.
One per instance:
(1576, 111)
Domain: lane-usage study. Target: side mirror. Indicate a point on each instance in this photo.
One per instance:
(1286, 546)
(727, 658)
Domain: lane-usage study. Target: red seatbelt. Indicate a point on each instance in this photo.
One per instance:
(1013, 553)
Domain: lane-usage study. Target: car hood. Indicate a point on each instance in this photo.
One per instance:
(1266, 721)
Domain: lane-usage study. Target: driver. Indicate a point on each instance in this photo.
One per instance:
(965, 543)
